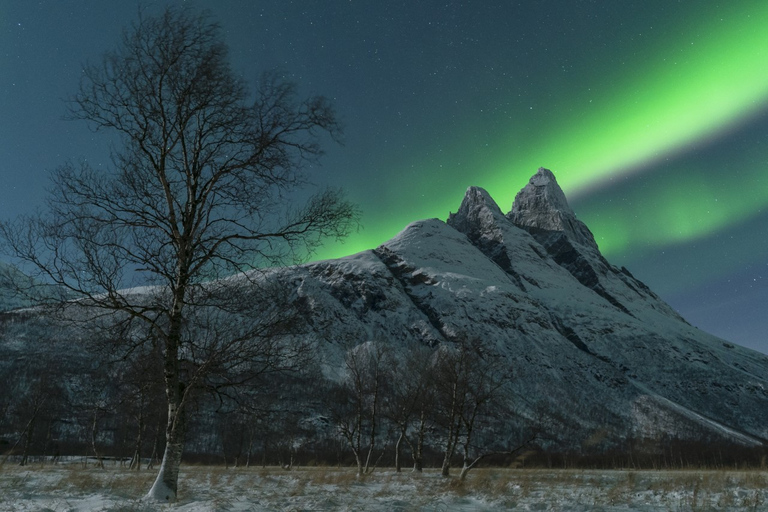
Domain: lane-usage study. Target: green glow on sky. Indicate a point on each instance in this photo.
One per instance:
(683, 205)
(670, 94)
(677, 92)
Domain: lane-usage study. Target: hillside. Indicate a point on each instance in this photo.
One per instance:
(597, 359)
(589, 345)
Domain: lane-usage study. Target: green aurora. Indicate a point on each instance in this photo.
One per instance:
(653, 114)
(675, 92)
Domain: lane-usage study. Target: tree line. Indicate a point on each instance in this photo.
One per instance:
(377, 405)
(379, 401)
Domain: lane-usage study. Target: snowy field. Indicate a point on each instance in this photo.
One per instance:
(73, 488)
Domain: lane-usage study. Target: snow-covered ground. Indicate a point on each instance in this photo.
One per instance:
(73, 488)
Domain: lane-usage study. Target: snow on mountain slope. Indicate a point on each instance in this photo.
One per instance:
(592, 348)
(598, 359)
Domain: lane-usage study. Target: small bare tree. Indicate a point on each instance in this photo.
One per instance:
(470, 385)
(137, 378)
(358, 401)
(34, 388)
(409, 401)
(201, 176)
(34, 379)
(31, 404)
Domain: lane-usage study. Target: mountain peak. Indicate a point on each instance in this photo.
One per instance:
(541, 205)
(542, 194)
(478, 213)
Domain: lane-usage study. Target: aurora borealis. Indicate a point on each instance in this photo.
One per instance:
(652, 114)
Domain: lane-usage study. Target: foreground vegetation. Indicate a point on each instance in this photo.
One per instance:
(75, 487)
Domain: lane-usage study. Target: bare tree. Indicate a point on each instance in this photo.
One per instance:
(138, 380)
(198, 190)
(471, 392)
(270, 413)
(409, 400)
(31, 403)
(358, 401)
(35, 377)
(34, 390)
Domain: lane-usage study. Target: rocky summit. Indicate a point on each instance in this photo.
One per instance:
(598, 361)
(592, 348)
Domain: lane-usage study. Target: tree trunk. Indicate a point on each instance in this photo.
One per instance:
(47, 440)
(450, 448)
(250, 448)
(136, 459)
(358, 460)
(224, 448)
(166, 484)
(445, 470)
(418, 453)
(240, 442)
(94, 434)
(453, 430)
(467, 465)
(372, 436)
(155, 444)
(28, 440)
(398, 469)
(264, 455)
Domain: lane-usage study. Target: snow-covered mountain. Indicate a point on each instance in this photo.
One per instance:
(593, 349)
(597, 358)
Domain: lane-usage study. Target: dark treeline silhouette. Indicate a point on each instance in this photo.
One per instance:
(70, 395)
(380, 406)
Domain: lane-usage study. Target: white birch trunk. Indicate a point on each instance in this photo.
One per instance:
(166, 484)
(165, 488)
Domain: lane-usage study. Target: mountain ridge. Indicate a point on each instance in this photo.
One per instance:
(588, 340)
(596, 356)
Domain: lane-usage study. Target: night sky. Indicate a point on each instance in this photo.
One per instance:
(653, 114)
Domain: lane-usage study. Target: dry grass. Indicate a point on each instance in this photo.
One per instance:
(61, 484)
(680, 490)
(323, 488)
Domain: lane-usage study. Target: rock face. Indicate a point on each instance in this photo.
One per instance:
(541, 206)
(597, 357)
(541, 209)
(593, 349)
